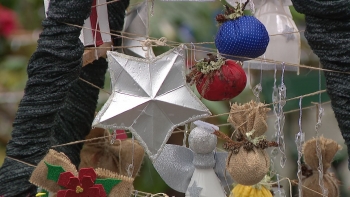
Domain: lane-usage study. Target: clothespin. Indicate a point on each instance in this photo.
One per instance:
(317, 110)
(90, 55)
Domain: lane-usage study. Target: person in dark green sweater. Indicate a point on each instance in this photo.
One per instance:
(328, 34)
(57, 107)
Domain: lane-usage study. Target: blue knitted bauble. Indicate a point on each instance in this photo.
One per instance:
(245, 36)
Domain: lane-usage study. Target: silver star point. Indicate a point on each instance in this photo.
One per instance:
(150, 97)
(194, 190)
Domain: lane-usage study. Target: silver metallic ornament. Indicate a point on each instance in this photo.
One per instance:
(136, 30)
(150, 97)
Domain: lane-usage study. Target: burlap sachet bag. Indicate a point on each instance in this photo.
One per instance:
(248, 162)
(328, 150)
(116, 157)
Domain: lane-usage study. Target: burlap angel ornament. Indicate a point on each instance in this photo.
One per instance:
(248, 162)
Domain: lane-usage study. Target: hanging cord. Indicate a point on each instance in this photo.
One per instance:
(320, 113)
(147, 44)
(130, 169)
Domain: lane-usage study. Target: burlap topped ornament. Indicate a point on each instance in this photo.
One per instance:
(59, 177)
(328, 149)
(249, 118)
(248, 162)
(123, 156)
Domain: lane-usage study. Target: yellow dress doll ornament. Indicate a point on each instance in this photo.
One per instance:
(248, 162)
(262, 189)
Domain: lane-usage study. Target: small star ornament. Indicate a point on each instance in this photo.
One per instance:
(150, 97)
(194, 190)
(288, 33)
(136, 31)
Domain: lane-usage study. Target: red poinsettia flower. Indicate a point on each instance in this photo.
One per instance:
(120, 134)
(81, 186)
(8, 21)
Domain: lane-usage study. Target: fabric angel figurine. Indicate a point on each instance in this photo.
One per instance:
(197, 171)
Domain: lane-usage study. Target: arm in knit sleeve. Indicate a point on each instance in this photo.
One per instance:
(328, 34)
(52, 70)
(74, 120)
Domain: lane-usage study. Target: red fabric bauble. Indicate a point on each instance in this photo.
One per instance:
(8, 21)
(224, 84)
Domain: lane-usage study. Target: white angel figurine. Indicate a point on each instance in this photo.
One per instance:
(198, 171)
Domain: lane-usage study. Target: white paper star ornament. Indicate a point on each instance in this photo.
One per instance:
(150, 98)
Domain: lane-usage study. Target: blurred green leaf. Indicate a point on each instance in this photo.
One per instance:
(14, 63)
(149, 179)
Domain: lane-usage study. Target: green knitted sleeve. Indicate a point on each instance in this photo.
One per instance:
(328, 34)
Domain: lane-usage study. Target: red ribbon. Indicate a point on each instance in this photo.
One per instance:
(93, 20)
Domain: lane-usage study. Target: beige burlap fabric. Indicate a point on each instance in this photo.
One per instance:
(328, 149)
(329, 181)
(123, 189)
(115, 157)
(39, 175)
(248, 167)
(249, 117)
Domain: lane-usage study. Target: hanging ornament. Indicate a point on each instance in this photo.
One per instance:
(240, 36)
(218, 79)
(136, 30)
(312, 177)
(284, 43)
(55, 174)
(198, 171)
(150, 98)
(248, 162)
(123, 157)
(262, 189)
